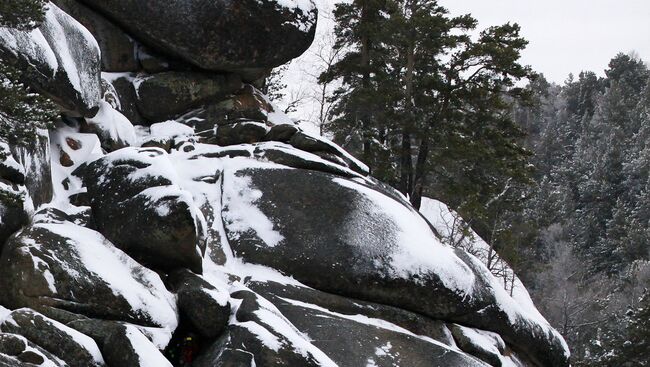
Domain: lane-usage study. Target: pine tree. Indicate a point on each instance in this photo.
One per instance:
(22, 14)
(410, 112)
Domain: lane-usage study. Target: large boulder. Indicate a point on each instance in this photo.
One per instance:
(17, 351)
(138, 205)
(71, 346)
(166, 95)
(60, 58)
(205, 307)
(121, 344)
(354, 333)
(346, 237)
(60, 268)
(219, 35)
(118, 49)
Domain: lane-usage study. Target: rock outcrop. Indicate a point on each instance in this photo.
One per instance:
(219, 35)
(60, 58)
(173, 211)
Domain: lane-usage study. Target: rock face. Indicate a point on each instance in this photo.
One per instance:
(60, 58)
(174, 212)
(137, 204)
(56, 266)
(219, 35)
(71, 346)
(165, 95)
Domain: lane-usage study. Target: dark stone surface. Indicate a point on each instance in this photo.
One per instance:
(312, 144)
(466, 344)
(166, 95)
(239, 343)
(14, 215)
(161, 232)
(77, 89)
(197, 303)
(14, 353)
(118, 50)
(245, 132)
(282, 133)
(316, 251)
(49, 335)
(62, 281)
(128, 105)
(112, 339)
(35, 158)
(291, 157)
(217, 35)
(335, 327)
(277, 293)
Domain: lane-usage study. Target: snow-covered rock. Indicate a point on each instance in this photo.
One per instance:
(57, 267)
(219, 35)
(344, 237)
(216, 225)
(138, 205)
(16, 350)
(71, 346)
(60, 58)
(113, 129)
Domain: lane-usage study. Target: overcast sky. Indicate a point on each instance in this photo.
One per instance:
(568, 36)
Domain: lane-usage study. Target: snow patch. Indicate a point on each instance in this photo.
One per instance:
(111, 121)
(418, 251)
(148, 354)
(242, 213)
(118, 270)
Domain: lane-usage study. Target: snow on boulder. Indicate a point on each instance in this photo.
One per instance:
(138, 205)
(122, 344)
(34, 157)
(219, 35)
(60, 58)
(259, 335)
(16, 350)
(356, 333)
(345, 236)
(58, 268)
(76, 349)
(113, 129)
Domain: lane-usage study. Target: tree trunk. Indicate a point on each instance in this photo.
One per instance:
(406, 174)
(364, 116)
(406, 169)
(420, 173)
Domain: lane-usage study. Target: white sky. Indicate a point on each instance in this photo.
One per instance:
(568, 36)
(565, 36)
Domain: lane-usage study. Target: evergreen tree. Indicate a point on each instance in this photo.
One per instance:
(409, 111)
(22, 14)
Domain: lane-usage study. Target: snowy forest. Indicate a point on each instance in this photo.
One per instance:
(552, 177)
(371, 183)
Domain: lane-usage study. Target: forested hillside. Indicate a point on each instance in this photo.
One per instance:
(591, 207)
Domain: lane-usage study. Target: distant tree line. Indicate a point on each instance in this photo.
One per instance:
(591, 208)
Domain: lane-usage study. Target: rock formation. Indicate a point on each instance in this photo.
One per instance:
(174, 211)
